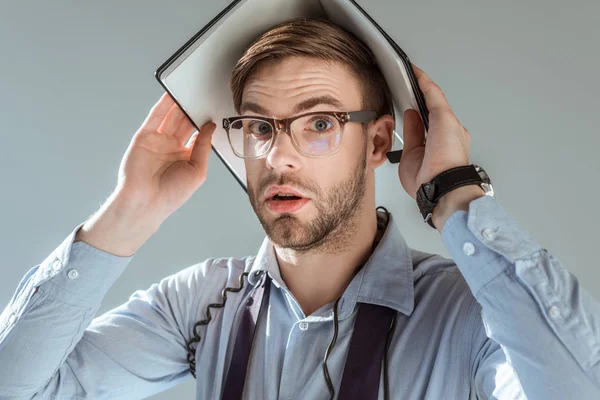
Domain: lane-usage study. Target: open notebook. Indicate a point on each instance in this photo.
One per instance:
(197, 74)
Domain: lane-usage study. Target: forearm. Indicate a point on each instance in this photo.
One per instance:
(118, 227)
(546, 323)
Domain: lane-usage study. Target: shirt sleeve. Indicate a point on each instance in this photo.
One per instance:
(56, 349)
(493, 378)
(546, 324)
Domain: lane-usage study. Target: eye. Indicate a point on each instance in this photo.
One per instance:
(259, 128)
(320, 124)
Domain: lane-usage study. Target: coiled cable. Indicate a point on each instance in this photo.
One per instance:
(196, 336)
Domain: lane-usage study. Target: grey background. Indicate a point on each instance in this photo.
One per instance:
(76, 81)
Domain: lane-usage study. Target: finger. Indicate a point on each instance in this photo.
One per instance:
(184, 130)
(158, 112)
(413, 132)
(434, 97)
(201, 147)
(171, 120)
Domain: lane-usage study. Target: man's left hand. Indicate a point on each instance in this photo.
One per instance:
(448, 145)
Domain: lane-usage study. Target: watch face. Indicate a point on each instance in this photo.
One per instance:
(484, 176)
(486, 185)
(489, 190)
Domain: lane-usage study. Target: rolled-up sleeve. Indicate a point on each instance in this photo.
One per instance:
(546, 323)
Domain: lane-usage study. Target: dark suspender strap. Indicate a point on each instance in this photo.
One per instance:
(236, 377)
(362, 372)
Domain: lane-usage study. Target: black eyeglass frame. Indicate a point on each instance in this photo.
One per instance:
(362, 116)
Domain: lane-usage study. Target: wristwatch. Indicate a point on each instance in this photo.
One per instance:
(429, 193)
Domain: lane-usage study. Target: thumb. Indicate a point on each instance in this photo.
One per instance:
(201, 146)
(414, 131)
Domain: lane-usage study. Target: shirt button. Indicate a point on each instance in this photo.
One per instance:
(555, 312)
(489, 234)
(73, 274)
(12, 319)
(56, 265)
(303, 326)
(468, 248)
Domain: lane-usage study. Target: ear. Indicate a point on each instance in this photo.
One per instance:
(380, 135)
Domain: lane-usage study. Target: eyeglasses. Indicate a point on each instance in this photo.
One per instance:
(314, 134)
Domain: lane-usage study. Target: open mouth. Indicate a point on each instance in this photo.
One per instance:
(285, 197)
(286, 203)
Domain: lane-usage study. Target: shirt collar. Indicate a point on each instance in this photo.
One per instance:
(386, 278)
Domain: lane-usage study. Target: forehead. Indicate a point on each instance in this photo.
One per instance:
(300, 84)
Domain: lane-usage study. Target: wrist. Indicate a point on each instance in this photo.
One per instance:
(118, 227)
(455, 200)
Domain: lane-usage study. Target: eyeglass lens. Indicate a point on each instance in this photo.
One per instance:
(312, 134)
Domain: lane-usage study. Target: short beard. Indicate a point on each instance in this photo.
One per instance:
(331, 231)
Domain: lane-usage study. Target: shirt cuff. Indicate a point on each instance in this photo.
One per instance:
(77, 273)
(485, 241)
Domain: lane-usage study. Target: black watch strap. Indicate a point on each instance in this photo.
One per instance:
(429, 193)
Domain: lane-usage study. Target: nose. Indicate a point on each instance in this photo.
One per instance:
(283, 156)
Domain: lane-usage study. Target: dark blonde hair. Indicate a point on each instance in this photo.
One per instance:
(322, 40)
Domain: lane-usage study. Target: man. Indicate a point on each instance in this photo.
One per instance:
(503, 320)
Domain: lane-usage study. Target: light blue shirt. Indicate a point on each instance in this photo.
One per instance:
(503, 320)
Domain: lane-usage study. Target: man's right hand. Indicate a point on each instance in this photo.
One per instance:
(158, 172)
(157, 175)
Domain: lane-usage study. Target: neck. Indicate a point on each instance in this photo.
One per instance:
(320, 277)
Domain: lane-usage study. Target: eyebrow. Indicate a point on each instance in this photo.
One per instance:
(302, 106)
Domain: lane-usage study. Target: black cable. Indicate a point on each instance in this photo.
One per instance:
(381, 225)
(386, 384)
(329, 348)
(386, 379)
(196, 337)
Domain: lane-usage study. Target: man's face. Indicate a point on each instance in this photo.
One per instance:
(333, 187)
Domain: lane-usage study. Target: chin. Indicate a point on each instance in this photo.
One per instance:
(287, 231)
